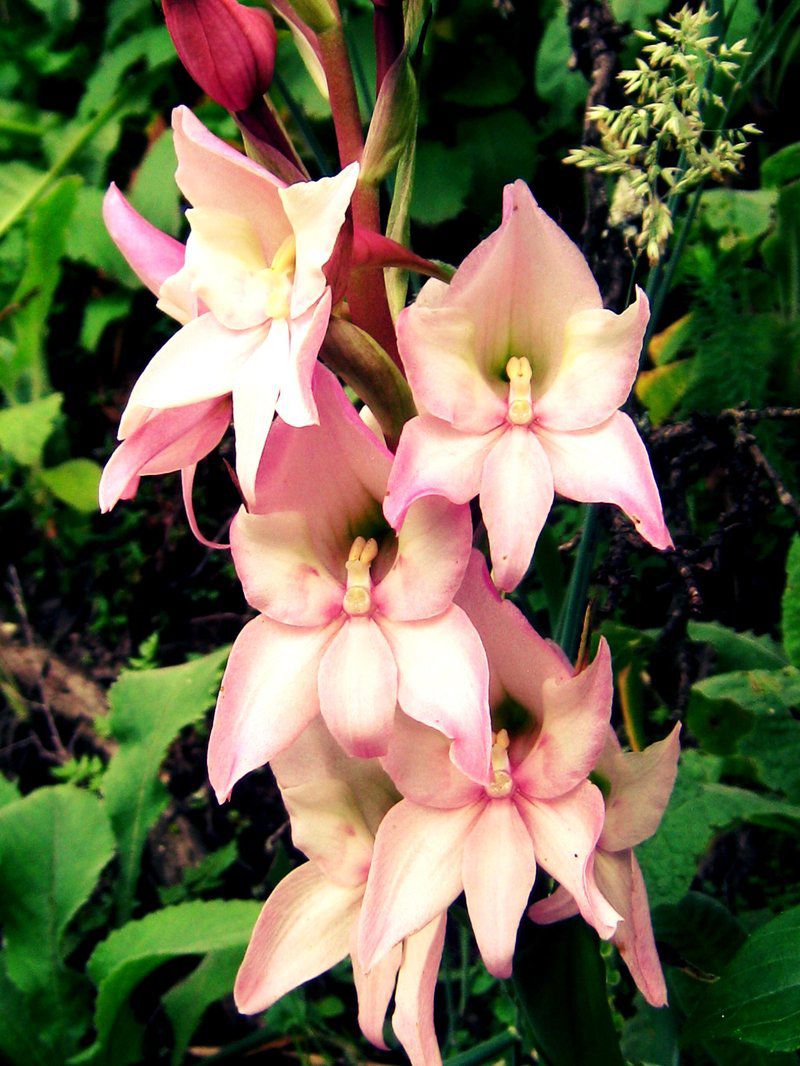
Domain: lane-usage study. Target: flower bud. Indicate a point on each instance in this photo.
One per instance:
(228, 49)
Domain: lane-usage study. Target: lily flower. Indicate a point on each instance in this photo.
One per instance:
(251, 293)
(638, 784)
(450, 833)
(354, 619)
(519, 372)
(308, 923)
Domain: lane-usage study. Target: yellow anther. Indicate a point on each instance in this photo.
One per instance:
(502, 783)
(357, 599)
(286, 256)
(520, 406)
(278, 278)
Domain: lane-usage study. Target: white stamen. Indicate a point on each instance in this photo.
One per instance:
(520, 405)
(502, 783)
(357, 599)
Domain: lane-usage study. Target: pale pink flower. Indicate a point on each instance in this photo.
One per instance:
(252, 291)
(638, 786)
(519, 372)
(451, 834)
(309, 922)
(353, 618)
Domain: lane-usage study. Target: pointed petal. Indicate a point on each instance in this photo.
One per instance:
(419, 763)
(520, 661)
(412, 1020)
(437, 347)
(608, 464)
(255, 393)
(358, 688)
(433, 459)
(575, 718)
(564, 832)
(433, 549)
(267, 697)
(415, 874)
(555, 908)
(598, 368)
(281, 573)
(302, 931)
(152, 255)
(443, 681)
(296, 403)
(199, 363)
(498, 869)
(374, 990)
(516, 497)
(620, 880)
(167, 441)
(316, 211)
(213, 174)
(641, 784)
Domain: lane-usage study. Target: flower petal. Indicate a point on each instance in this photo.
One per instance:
(267, 697)
(433, 459)
(443, 681)
(296, 403)
(152, 255)
(329, 828)
(433, 549)
(199, 363)
(437, 347)
(564, 832)
(412, 1020)
(516, 497)
(302, 931)
(358, 688)
(419, 763)
(608, 464)
(598, 368)
(415, 874)
(555, 908)
(641, 784)
(374, 990)
(316, 212)
(498, 869)
(575, 718)
(213, 174)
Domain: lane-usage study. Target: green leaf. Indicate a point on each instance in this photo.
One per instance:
(738, 214)
(129, 954)
(557, 83)
(24, 429)
(16, 179)
(494, 81)
(99, 314)
(651, 1036)
(662, 388)
(501, 147)
(186, 1003)
(147, 711)
(20, 1041)
(153, 192)
(88, 240)
(702, 930)
(75, 483)
(757, 998)
(790, 605)
(8, 791)
(781, 249)
(435, 201)
(559, 980)
(782, 167)
(638, 12)
(738, 651)
(149, 49)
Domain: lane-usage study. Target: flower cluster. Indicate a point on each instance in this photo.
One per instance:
(425, 739)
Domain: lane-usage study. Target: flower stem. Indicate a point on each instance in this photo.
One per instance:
(571, 619)
(485, 1052)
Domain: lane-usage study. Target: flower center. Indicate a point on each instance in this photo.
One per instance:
(502, 784)
(357, 599)
(520, 406)
(278, 278)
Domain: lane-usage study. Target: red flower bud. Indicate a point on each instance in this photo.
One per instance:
(227, 48)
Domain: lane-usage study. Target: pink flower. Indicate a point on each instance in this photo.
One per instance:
(519, 371)
(639, 786)
(353, 619)
(252, 292)
(228, 49)
(451, 834)
(308, 923)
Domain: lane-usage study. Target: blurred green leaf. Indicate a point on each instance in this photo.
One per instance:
(24, 429)
(556, 82)
(148, 708)
(20, 1040)
(493, 81)
(433, 200)
(738, 651)
(790, 605)
(701, 930)
(738, 214)
(651, 1036)
(99, 314)
(782, 167)
(16, 179)
(8, 791)
(501, 147)
(88, 240)
(757, 998)
(781, 248)
(661, 389)
(148, 49)
(638, 12)
(75, 483)
(153, 191)
(186, 1003)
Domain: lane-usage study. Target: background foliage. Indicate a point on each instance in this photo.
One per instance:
(126, 894)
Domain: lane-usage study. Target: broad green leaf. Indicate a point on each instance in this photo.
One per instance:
(501, 148)
(24, 429)
(638, 13)
(559, 980)
(661, 389)
(153, 192)
(433, 200)
(8, 791)
(701, 930)
(75, 483)
(186, 1003)
(57, 12)
(20, 1041)
(738, 651)
(101, 313)
(16, 179)
(88, 240)
(46, 235)
(790, 605)
(651, 1036)
(757, 998)
(557, 83)
(150, 49)
(738, 214)
(129, 954)
(120, 12)
(493, 80)
(781, 249)
(148, 708)
(782, 167)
